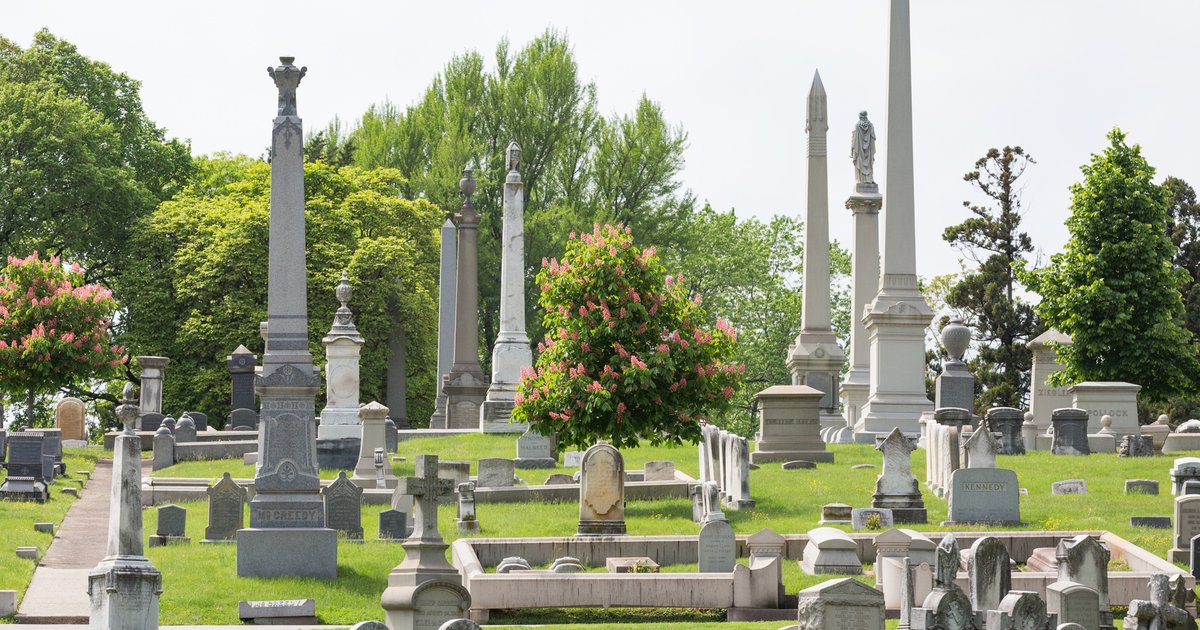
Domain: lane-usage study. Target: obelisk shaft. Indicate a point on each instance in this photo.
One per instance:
(815, 314)
(466, 385)
(899, 245)
(864, 272)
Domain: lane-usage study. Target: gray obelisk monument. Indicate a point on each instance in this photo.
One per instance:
(864, 205)
(816, 358)
(896, 319)
(511, 353)
(466, 385)
(287, 534)
(125, 586)
(447, 296)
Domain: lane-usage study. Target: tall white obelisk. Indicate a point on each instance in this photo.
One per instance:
(816, 359)
(896, 320)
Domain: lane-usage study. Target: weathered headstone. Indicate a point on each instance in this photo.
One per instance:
(1136, 446)
(830, 550)
(373, 431)
(836, 513)
(1184, 469)
(459, 624)
(896, 488)
(659, 471)
(153, 371)
(1187, 526)
(1084, 560)
(393, 525)
(512, 563)
(1007, 421)
(241, 366)
(226, 510)
(946, 606)
(343, 506)
(841, 604)
(1070, 432)
(534, 450)
(468, 520)
(495, 472)
(1069, 486)
(1151, 522)
(1044, 397)
(164, 449)
(185, 430)
(602, 491)
(1018, 609)
(1141, 486)
(1073, 603)
(1163, 609)
(391, 437)
(989, 573)
(567, 564)
(789, 425)
(984, 495)
(26, 479)
(717, 547)
(171, 528)
(979, 450)
(572, 459)
(279, 611)
(871, 518)
(737, 492)
(69, 418)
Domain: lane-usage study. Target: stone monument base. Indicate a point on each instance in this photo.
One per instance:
(905, 508)
(1177, 442)
(338, 431)
(163, 541)
(287, 552)
(18, 489)
(526, 464)
(339, 453)
(601, 528)
(767, 457)
(124, 594)
(426, 605)
(494, 417)
(467, 527)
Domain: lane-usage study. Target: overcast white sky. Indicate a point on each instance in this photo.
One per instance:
(1050, 75)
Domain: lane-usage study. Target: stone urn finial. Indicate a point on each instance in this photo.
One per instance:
(956, 337)
(127, 411)
(467, 185)
(512, 156)
(344, 290)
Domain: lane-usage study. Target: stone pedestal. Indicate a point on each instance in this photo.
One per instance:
(955, 386)
(789, 425)
(1044, 397)
(1115, 399)
(153, 371)
(864, 207)
(343, 346)
(466, 385)
(373, 417)
(447, 294)
(287, 534)
(511, 353)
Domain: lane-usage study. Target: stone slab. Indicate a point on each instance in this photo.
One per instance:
(860, 516)
(984, 495)
(1141, 486)
(272, 612)
(1069, 486)
(291, 552)
(1152, 522)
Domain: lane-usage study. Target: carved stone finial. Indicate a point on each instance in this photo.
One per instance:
(512, 156)
(956, 338)
(128, 410)
(287, 78)
(467, 186)
(343, 318)
(344, 290)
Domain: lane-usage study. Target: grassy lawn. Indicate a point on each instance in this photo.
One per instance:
(17, 519)
(788, 502)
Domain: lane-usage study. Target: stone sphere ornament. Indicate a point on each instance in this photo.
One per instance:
(956, 337)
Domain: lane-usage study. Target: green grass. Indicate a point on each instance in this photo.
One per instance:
(17, 519)
(201, 585)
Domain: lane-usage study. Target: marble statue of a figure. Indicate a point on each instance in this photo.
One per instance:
(862, 150)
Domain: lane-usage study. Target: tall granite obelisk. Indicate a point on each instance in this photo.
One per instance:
(447, 296)
(864, 205)
(511, 353)
(287, 534)
(896, 319)
(466, 385)
(124, 587)
(816, 358)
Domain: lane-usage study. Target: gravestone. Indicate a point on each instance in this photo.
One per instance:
(459, 624)
(737, 491)
(468, 522)
(279, 612)
(567, 564)
(372, 467)
(799, 464)
(602, 492)
(512, 563)
(343, 346)
(1116, 400)
(1141, 486)
(1084, 560)
(1069, 486)
(1044, 397)
(896, 488)
(841, 604)
(458, 472)
(1070, 432)
(1184, 469)
(979, 450)
(69, 418)
(26, 478)
(1187, 526)
(830, 550)
(164, 449)
(1136, 446)
(717, 547)
(1152, 522)
(424, 591)
(150, 421)
(243, 420)
(343, 506)
(393, 525)
(1007, 421)
(836, 513)
(984, 495)
(52, 445)
(391, 438)
(946, 607)
(1019, 610)
(558, 479)
(241, 366)
(1073, 603)
(199, 419)
(860, 518)
(534, 450)
(185, 430)
(789, 425)
(466, 385)
(172, 526)
(659, 471)
(572, 459)
(226, 510)
(989, 573)
(1167, 607)
(495, 472)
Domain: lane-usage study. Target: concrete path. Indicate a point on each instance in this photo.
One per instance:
(58, 591)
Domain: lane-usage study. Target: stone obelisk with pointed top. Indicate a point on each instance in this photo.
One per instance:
(287, 534)
(511, 354)
(816, 358)
(447, 295)
(864, 205)
(896, 319)
(466, 385)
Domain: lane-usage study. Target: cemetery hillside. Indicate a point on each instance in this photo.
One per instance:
(496, 354)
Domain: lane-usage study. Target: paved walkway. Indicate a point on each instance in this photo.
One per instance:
(58, 591)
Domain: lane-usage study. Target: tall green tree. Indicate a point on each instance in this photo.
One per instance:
(203, 279)
(991, 238)
(1114, 288)
(1183, 226)
(82, 161)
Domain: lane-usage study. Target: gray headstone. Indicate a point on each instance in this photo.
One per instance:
(1070, 432)
(150, 421)
(172, 521)
(1018, 609)
(1073, 603)
(495, 472)
(534, 450)
(369, 625)
(572, 459)
(390, 438)
(717, 547)
(567, 564)
(1195, 556)
(1007, 422)
(226, 509)
(185, 429)
(278, 611)
(343, 507)
(659, 471)
(1069, 486)
(989, 573)
(512, 563)
(1150, 522)
(1184, 469)
(25, 456)
(1084, 560)
(799, 464)
(199, 419)
(836, 513)
(860, 518)
(243, 420)
(1141, 486)
(984, 495)
(393, 525)
(241, 366)
(841, 604)
(558, 479)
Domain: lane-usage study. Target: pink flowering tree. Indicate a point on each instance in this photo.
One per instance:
(54, 328)
(629, 356)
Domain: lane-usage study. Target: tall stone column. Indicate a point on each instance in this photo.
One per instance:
(287, 534)
(511, 353)
(343, 347)
(447, 296)
(466, 385)
(896, 319)
(397, 378)
(153, 371)
(864, 205)
(816, 358)
(124, 587)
